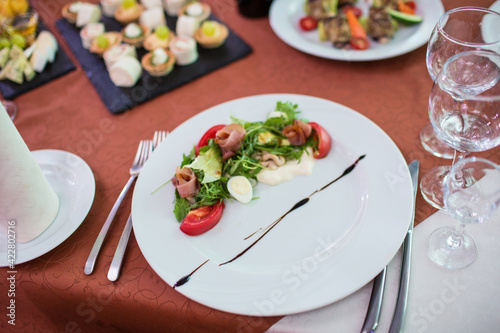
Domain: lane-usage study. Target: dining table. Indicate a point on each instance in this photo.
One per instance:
(52, 292)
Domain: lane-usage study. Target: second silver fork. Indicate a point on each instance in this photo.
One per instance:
(145, 146)
(116, 263)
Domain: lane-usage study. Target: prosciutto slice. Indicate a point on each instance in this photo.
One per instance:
(229, 139)
(185, 182)
(297, 133)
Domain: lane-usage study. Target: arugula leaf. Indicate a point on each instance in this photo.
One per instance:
(188, 159)
(181, 207)
(289, 109)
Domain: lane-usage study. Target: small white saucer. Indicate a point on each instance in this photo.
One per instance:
(74, 183)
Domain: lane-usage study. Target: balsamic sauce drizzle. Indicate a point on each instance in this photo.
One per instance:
(297, 205)
(253, 233)
(186, 278)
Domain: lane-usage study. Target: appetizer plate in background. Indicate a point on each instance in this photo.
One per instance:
(61, 66)
(120, 99)
(318, 254)
(73, 181)
(284, 16)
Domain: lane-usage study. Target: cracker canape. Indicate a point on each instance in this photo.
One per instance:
(211, 34)
(159, 39)
(196, 9)
(103, 42)
(128, 12)
(135, 34)
(159, 62)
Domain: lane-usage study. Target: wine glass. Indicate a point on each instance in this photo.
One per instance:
(470, 199)
(11, 108)
(458, 30)
(464, 109)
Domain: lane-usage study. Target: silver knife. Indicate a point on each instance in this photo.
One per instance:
(375, 305)
(404, 282)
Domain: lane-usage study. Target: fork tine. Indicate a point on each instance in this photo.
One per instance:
(158, 137)
(148, 147)
(138, 155)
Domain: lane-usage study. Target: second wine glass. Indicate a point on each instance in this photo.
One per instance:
(472, 194)
(458, 30)
(464, 109)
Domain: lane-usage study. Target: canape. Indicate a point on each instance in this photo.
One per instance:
(110, 6)
(128, 12)
(159, 62)
(211, 34)
(70, 10)
(87, 13)
(135, 34)
(159, 39)
(184, 49)
(186, 25)
(114, 53)
(90, 32)
(103, 42)
(153, 17)
(172, 7)
(125, 72)
(196, 9)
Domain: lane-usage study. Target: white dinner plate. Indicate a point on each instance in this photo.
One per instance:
(284, 16)
(318, 254)
(73, 181)
(490, 29)
(495, 6)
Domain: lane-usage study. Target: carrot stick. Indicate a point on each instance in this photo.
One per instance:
(404, 8)
(359, 40)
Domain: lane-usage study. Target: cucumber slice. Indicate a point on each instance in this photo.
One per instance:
(405, 18)
(321, 31)
(4, 56)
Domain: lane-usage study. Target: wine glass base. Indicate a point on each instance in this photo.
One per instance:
(432, 186)
(442, 253)
(11, 108)
(433, 144)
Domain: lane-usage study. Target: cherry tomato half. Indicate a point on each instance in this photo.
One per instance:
(210, 134)
(200, 220)
(356, 10)
(411, 4)
(308, 23)
(323, 138)
(359, 43)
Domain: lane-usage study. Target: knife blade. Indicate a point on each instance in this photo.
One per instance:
(375, 305)
(404, 282)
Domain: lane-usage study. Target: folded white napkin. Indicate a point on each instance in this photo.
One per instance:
(25, 194)
(440, 300)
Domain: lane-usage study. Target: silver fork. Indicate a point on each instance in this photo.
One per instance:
(116, 263)
(145, 147)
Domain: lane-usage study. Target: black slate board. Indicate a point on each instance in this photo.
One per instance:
(61, 66)
(119, 99)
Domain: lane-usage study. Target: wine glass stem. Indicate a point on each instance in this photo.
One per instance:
(458, 156)
(455, 240)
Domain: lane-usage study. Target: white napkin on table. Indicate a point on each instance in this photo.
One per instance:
(25, 194)
(440, 300)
